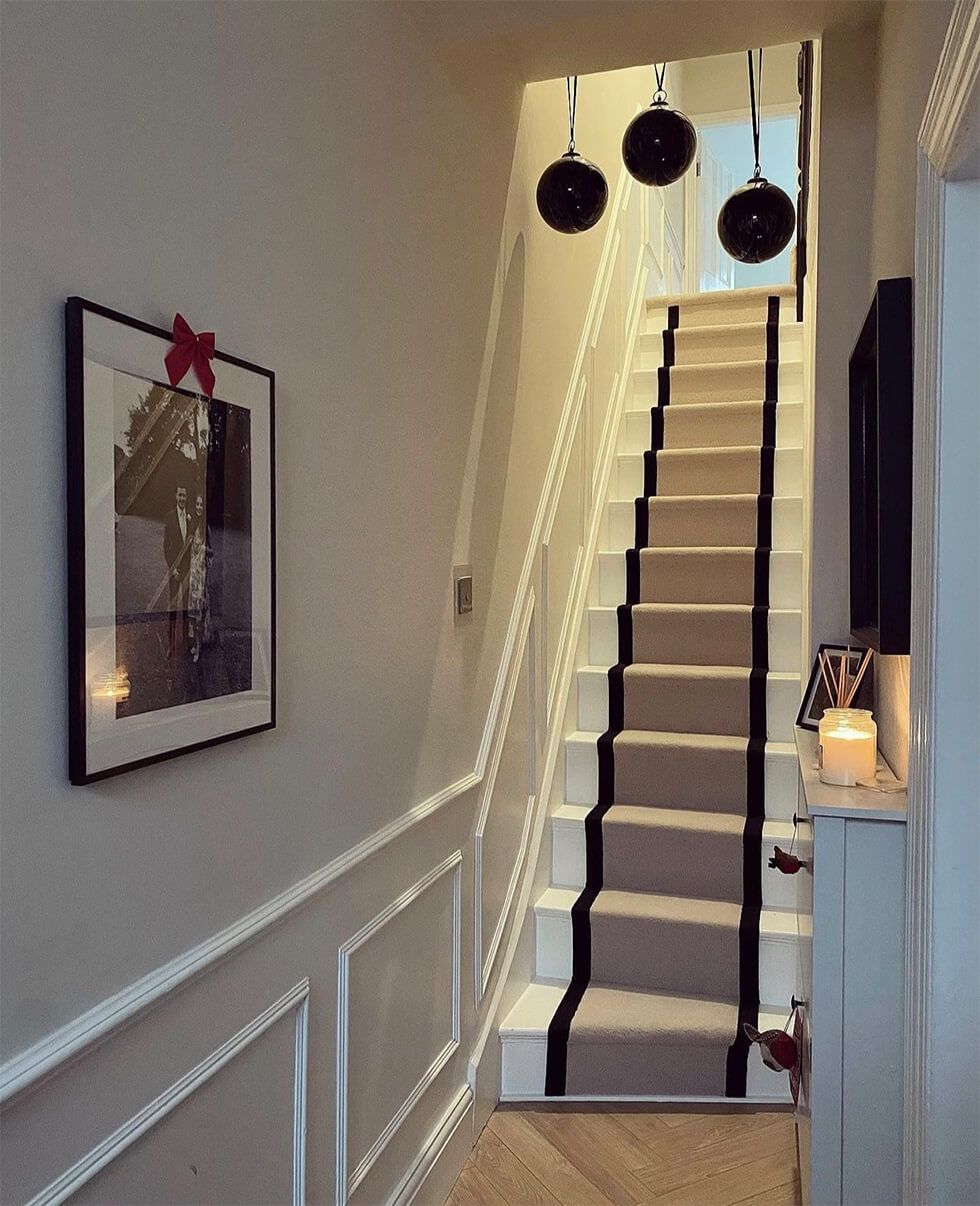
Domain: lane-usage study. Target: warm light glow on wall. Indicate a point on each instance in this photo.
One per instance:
(112, 686)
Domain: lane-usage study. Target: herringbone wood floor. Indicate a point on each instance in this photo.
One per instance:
(598, 1158)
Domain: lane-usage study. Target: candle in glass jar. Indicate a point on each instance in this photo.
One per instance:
(848, 746)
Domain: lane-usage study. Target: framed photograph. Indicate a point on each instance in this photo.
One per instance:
(816, 698)
(171, 547)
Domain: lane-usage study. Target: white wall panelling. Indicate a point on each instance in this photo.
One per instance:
(371, 1020)
(563, 543)
(506, 808)
(295, 1001)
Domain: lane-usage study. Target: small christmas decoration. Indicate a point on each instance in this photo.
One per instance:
(191, 349)
(785, 861)
(572, 192)
(777, 1048)
(780, 1050)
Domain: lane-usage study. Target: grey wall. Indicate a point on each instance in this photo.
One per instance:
(343, 206)
(910, 39)
(875, 86)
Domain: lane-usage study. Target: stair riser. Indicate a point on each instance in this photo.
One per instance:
(781, 778)
(568, 864)
(726, 473)
(787, 524)
(553, 959)
(720, 346)
(785, 581)
(636, 430)
(784, 640)
(741, 383)
(782, 704)
(523, 1061)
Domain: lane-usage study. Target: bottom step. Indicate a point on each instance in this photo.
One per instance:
(524, 1049)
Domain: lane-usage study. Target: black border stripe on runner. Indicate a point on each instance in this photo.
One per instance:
(556, 1064)
(736, 1069)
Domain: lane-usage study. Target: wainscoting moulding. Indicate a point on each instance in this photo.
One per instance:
(346, 1181)
(482, 968)
(297, 1000)
(24, 1070)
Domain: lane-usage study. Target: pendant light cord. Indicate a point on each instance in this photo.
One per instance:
(756, 104)
(660, 92)
(571, 88)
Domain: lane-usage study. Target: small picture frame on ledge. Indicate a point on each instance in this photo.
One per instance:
(171, 543)
(816, 698)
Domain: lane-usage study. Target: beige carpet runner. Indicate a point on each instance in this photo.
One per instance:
(673, 888)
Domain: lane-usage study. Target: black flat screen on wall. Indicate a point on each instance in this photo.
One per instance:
(880, 381)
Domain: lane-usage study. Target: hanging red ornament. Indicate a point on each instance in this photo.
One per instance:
(778, 1049)
(786, 862)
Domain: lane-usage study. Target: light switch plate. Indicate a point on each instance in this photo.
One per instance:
(463, 589)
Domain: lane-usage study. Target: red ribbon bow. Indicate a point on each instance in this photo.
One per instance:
(191, 349)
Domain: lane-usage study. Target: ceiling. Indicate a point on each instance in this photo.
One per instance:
(544, 39)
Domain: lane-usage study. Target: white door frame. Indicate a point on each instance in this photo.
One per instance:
(939, 895)
(722, 117)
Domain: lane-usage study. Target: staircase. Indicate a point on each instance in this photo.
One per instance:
(663, 928)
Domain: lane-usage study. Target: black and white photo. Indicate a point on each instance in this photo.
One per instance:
(171, 548)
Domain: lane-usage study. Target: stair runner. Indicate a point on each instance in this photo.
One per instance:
(665, 934)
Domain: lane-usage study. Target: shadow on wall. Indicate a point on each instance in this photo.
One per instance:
(498, 421)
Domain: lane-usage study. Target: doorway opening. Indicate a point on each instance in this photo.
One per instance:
(719, 170)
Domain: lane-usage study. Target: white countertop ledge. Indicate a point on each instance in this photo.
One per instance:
(855, 803)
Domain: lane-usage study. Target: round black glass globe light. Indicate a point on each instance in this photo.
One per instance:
(756, 222)
(659, 145)
(572, 194)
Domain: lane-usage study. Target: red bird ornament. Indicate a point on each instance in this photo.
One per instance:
(788, 863)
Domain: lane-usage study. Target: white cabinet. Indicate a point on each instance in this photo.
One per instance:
(850, 1114)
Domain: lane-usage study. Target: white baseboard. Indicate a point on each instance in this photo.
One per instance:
(434, 1172)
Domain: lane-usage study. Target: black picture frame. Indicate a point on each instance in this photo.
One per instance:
(816, 698)
(80, 768)
(880, 440)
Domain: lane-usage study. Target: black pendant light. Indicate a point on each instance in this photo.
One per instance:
(572, 193)
(758, 219)
(660, 143)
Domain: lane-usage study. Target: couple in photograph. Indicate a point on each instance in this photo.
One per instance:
(188, 553)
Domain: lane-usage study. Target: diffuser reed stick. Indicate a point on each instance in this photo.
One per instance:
(865, 663)
(841, 686)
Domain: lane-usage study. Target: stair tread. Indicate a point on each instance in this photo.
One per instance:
(677, 818)
(714, 366)
(532, 1012)
(784, 749)
(692, 670)
(746, 404)
(715, 450)
(713, 297)
(702, 608)
(658, 906)
(701, 550)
